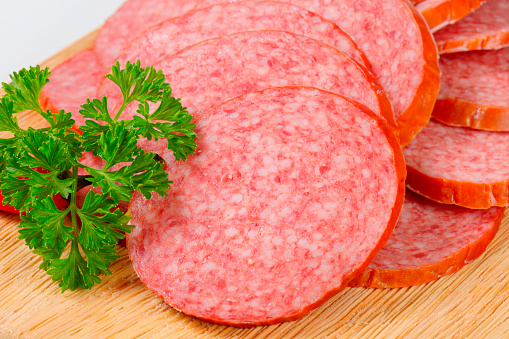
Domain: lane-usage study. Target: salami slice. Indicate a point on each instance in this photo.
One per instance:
(440, 13)
(224, 19)
(429, 241)
(213, 71)
(130, 21)
(399, 46)
(265, 223)
(455, 165)
(486, 28)
(474, 90)
(71, 83)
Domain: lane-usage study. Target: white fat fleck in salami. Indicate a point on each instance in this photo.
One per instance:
(486, 28)
(456, 165)
(175, 34)
(289, 195)
(440, 13)
(130, 20)
(399, 46)
(429, 241)
(473, 92)
(213, 71)
(71, 83)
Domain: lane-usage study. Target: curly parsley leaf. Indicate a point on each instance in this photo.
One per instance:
(137, 83)
(144, 174)
(73, 271)
(170, 121)
(100, 260)
(25, 88)
(14, 184)
(118, 144)
(96, 109)
(7, 120)
(147, 175)
(44, 150)
(60, 120)
(7, 150)
(102, 222)
(92, 132)
(113, 183)
(55, 233)
(32, 232)
(17, 193)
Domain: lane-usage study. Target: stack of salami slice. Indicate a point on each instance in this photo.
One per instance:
(299, 179)
(459, 158)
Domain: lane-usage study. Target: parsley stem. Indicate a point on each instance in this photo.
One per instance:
(124, 104)
(73, 201)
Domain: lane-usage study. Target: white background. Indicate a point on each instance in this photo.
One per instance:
(33, 30)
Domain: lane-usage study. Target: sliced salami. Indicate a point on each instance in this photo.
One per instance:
(456, 165)
(291, 194)
(474, 89)
(399, 46)
(213, 71)
(71, 83)
(429, 241)
(486, 28)
(130, 20)
(224, 19)
(440, 13)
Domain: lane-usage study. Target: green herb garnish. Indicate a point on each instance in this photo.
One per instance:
(75, 255)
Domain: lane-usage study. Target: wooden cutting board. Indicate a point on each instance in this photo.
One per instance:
(472, 303)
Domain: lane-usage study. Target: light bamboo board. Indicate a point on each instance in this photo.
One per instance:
(472, 303)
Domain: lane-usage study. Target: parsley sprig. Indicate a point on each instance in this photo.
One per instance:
(36, 164)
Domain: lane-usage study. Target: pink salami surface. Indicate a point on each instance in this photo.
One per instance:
(479, 76)
(71, 83)
(213, 71)
(429, 241)
(455, 165)
(290, 194)
(486, 28)
(130, 20)
(399, 46)
(440, 13)
(224, 19)
(474, 90)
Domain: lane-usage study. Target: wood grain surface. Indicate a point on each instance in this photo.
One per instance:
(473, 303)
